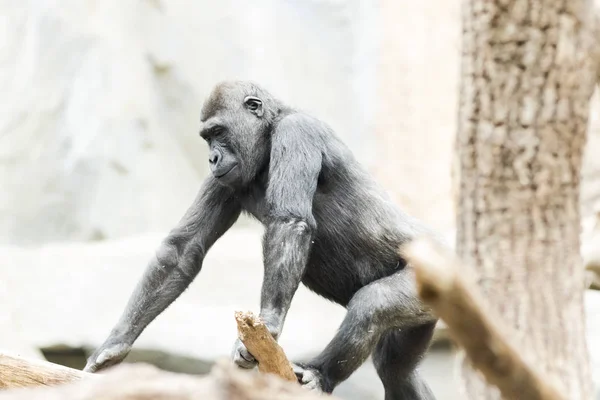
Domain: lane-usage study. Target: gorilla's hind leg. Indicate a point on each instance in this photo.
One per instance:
(397, 354)
(375, 309)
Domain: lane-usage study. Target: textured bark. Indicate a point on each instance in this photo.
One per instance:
(487, 342)
(16, 372)
(260, 343)
(526, 81)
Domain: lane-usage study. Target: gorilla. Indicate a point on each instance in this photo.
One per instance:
(327, 225)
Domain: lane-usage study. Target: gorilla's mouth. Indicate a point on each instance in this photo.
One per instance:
(226, 172)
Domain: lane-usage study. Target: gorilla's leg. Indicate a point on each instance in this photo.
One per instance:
(396, 356)
(387, 303)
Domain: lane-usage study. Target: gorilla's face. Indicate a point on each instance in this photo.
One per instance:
(236, 129)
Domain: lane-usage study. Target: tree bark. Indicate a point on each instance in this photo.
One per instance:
(526, 81)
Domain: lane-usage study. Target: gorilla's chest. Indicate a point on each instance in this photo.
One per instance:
(254, 203)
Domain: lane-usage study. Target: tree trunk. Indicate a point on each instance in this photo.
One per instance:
(526, 81)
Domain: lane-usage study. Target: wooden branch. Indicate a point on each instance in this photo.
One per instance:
(471, 324)
(16, 372)
(260, 343)
(144, 382)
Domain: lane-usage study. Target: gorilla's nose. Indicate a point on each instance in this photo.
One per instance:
(214, 157)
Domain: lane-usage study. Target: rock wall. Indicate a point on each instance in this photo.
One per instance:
(98, 138)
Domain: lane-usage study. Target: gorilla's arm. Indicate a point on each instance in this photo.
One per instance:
(177, 261)
(295, 164)
(293, 174)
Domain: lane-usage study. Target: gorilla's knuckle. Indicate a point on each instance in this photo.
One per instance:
(241, 356)
(244, 359)
(311, 378)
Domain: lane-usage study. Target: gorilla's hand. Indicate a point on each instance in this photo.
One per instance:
(241, 357)
(106, 356)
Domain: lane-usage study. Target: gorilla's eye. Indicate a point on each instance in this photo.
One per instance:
(212, 132)
(252, 103)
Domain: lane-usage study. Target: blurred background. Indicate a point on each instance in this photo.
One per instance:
(100, 157)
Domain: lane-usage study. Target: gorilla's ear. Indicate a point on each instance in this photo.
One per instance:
(254, 105)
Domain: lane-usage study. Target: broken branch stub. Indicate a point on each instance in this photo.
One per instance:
(271, 358)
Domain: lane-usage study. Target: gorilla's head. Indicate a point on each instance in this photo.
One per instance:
(237, 120)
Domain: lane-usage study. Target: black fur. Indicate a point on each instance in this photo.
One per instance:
(328, 225)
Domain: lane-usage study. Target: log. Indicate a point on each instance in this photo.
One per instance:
(473, 325)
(144, 382)
(17, 372)
(260, 343)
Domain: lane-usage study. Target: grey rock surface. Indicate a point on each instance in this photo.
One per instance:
(102, 100)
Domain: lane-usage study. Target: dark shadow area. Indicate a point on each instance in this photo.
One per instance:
(75, 357)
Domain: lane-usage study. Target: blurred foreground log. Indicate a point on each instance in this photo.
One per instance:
(473, 326)
(16, 372)
(144, 382)
(260, 343)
